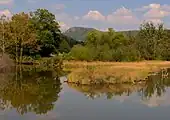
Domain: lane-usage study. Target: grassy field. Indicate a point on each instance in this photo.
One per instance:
(112, 72)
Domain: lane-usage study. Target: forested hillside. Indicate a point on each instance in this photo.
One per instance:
(151, 42)
(80, 33)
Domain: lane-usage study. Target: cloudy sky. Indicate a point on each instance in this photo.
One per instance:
(99, 14)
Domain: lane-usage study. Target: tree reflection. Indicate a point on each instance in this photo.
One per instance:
(156, 84)
(30, 91)
(96, 91)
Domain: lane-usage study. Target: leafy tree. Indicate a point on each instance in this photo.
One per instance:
(21, 34)
(48, 32)
(150, 40)
(106, 44)
(79, 52)
(4, 33)
(64, 47)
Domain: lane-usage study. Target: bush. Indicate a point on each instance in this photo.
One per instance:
(80, 52)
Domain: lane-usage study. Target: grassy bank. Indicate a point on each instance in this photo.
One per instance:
(112, 72)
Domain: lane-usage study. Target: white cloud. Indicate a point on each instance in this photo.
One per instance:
(5, 2)
(5, 12)
(63, 26)
(122, 16)
(121, 19)
(123, 12)
(155, 11)
(150, 6)
(153, 6)
(94, 15)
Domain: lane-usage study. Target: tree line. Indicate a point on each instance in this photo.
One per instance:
(152, 42)
(37, 34)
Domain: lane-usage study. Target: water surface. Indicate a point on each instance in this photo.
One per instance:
(40, 95)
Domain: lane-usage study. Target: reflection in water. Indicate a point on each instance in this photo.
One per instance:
(156, 84)
(35, 90)
(154, 89)
(29, 91)
(110, 91)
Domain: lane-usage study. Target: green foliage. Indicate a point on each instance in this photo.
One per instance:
(80, 52)
(38, 34)
(104, 46)
(152, 40)
(80, 33)
(150, 43)
(48, 32)
(32, 35)
(64, 46)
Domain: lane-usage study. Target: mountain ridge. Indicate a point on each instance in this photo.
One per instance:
(80, 33)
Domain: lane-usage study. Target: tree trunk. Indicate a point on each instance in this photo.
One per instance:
(21, 51)
(16, 53)
(3, 39)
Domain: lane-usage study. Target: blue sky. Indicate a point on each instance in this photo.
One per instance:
(100, 14)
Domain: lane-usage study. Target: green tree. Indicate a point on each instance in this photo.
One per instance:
(64, 47)
(48, 32)
(4, 33)
(79, 52)
(21, 34)
(106, 44)
(150, 40)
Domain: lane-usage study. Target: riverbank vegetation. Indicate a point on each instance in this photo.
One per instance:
(113, 72)
(37, 34)
(150, 43)
(155, 86)
(35, 38)
(32, 36)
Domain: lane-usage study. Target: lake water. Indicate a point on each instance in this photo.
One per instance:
(39, 95)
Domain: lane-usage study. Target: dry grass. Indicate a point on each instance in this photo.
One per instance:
(112, 72)
(80, 64)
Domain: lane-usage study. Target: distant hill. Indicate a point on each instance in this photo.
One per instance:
(80, 33)
(70, 40)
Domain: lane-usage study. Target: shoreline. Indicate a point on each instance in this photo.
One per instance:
(87, 73)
